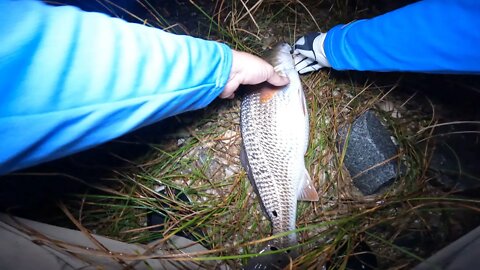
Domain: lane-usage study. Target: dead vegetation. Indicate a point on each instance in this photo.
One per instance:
(194, 181)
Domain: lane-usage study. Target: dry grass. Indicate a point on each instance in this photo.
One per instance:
(201, 162)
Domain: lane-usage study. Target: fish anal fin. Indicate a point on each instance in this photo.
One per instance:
(307, 191)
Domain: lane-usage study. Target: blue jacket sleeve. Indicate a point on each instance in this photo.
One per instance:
(70, 80)
(435, 36)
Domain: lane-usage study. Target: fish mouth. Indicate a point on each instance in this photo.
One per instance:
(284, 47)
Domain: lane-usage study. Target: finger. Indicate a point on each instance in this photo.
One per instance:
(299, 52)
(277, 80)
(308, 69)
(298, 58)
(303, 62)
(309, 54)
(225, 95)
(230, 88)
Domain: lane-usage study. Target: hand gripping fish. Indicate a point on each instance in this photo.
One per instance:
(274, 128)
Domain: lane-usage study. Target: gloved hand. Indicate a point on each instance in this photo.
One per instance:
(309, 54)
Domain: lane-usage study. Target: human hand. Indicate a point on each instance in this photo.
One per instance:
(250, 69)
(309, 54)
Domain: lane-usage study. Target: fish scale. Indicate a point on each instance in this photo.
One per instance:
(274, 128)
(266, 164)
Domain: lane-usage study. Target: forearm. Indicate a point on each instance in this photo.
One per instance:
(427, 36)
(71, 80)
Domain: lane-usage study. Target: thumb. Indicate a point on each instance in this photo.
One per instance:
(277, 79)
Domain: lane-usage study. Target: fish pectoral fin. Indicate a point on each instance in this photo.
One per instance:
(280, 70)
(307, 190)
(266, 94)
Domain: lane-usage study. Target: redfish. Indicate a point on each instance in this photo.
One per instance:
(275, 130)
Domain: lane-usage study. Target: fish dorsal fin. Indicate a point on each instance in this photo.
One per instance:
(307, 190)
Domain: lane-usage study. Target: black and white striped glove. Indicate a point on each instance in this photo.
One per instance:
(309, 54)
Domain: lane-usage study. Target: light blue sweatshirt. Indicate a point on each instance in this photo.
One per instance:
(434, 36)
(71, 80)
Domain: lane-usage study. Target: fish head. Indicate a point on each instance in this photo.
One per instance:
(280, 57)
(283, 48)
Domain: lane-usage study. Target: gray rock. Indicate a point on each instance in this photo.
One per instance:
(368, 147)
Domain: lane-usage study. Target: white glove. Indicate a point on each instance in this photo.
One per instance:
(309, 54)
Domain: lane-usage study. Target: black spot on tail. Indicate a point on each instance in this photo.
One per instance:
(274, 213)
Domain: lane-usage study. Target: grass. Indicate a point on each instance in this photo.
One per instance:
(201, 162)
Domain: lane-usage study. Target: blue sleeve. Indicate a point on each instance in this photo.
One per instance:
(70, 80)
(434, 36)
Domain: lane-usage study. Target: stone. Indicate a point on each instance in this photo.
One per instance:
(370, 153)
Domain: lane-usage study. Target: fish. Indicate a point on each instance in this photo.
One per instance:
(274, 128)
